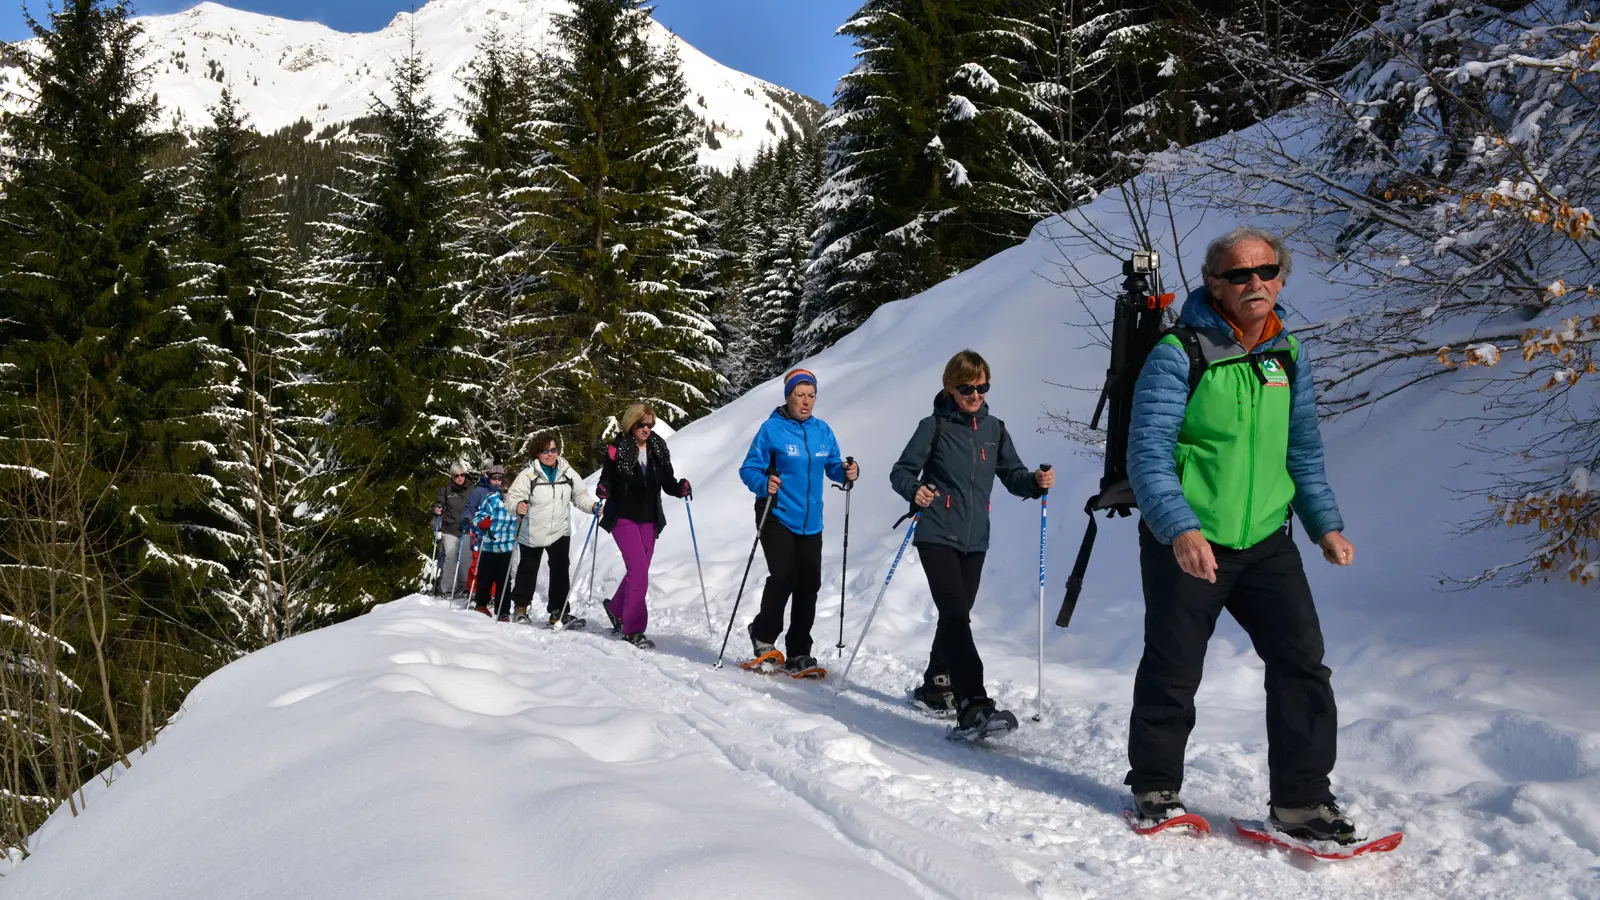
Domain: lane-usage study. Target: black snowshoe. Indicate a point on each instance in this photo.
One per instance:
(979, 719)
(935, 697)
(567, 620)
(638, 639)
(616, 621)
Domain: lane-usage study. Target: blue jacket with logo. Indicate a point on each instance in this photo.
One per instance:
(806, 453)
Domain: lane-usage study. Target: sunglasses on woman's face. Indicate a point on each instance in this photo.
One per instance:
(966, 390)
(547, 451)
(1242, 276)
(645, 426)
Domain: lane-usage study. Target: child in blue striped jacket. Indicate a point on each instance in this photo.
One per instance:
(497, 524)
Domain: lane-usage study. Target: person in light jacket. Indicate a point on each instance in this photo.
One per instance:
(543, 495)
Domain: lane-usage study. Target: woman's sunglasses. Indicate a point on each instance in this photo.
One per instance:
(548, 450)
(645, 425)
(1242, 276)
(966, 390)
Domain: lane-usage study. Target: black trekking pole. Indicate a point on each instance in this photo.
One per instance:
(844, 567)
(772, 469)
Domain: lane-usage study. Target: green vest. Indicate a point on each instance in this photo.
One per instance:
(1233, 449)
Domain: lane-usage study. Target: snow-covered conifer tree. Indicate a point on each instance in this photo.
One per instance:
(613, 309)
(394, 359)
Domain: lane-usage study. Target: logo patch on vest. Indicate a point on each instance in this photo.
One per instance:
(794, 450)
(1275, 375)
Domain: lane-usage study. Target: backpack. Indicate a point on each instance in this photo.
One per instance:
(1135, 330)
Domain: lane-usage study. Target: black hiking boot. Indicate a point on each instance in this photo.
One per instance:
(935, 696)
(1323, 822)
(616, 621)
(638, 639)
(566, 620)
(794, 665)
(978, 718)
(758, 648)
(1158, 806)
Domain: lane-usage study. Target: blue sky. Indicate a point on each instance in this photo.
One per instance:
(787, 42)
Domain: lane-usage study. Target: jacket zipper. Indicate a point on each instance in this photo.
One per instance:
(1250, 482)
(805, 438)
(972, 483)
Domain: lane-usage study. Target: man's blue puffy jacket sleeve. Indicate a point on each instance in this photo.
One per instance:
(1313, 498)
(1160, 397)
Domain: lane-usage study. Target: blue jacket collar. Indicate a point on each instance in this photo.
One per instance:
(1199, 312)
(782, 412)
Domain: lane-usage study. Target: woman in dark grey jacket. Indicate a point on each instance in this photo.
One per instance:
(959, 451)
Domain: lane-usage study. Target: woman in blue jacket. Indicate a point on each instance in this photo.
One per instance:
(792, 453)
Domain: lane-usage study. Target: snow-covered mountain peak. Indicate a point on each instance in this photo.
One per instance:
(283, 70)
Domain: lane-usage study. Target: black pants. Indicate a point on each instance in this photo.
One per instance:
(492, 569)
(953, 578)
(1264, 588)
(528, 576)
(794, 564)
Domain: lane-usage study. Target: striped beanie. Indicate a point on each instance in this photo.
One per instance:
(797, 377)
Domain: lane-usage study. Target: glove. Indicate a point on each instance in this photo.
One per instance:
(484, 525)
(684, 490)
(601, 491)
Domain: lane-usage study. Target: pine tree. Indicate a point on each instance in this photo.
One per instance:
(923, 180)
(102, 359)
(393, 371)
(492, 165)
(613, 307)
(242, 299)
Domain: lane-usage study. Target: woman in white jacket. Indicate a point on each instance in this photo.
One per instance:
(544, 493)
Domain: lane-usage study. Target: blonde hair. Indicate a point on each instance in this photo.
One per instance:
(964, 368)
(634, 415)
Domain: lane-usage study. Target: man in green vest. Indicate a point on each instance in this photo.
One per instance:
(1223, 443)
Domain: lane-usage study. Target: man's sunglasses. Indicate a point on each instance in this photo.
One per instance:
(1242, 276)
(496, 477)
(966, 390)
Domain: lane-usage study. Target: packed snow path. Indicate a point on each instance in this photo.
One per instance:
(421, 752)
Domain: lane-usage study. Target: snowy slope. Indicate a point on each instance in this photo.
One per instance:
(283, 70)
(418, 752)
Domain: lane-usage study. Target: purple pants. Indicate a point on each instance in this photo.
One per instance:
(637, 541)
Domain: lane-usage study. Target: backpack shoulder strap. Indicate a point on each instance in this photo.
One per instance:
(1293, 355)
(1190, 340)
(938, 428)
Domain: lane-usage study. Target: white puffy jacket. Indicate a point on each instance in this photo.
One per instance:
(549, 503)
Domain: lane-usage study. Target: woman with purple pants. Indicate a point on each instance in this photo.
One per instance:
(637, 471)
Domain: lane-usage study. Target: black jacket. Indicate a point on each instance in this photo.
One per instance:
(453, 500)
(634, 495)
(973, 450)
